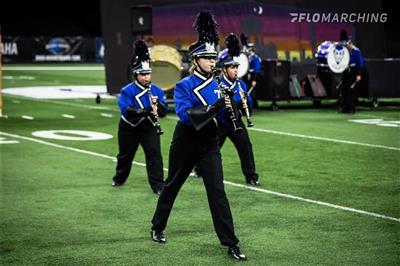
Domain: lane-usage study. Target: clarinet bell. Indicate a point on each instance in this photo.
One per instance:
(159, 131)
(237, 129)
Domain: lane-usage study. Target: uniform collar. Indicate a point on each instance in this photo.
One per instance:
(139, 85)
(200, 75)
(230, 83)
(228, 80)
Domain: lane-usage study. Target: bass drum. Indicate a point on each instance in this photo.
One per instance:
(166, 66)
(338, 58)
(244, 65)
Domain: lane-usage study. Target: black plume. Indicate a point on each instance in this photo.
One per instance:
(243, 39)
(206, 26)
(232, 43)
(343, 35)
(141, 52)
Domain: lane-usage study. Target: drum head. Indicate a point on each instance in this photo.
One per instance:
(166, 65)
(244, 65)
(338, 58)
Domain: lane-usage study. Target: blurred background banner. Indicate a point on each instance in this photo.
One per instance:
(18, 49)
(58, 49)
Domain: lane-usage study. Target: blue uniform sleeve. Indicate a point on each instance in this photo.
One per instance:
(257, 64)
(359, 59)
(124, 101)
(183, 102)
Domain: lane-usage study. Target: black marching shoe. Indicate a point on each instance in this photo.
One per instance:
(115, 184)
(235, 253)
(253, 182)
(158, 236)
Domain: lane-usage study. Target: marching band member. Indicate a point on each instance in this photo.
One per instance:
(199, 106)
(229, 64)
(242, 142)
(351, 76)
(254, 68)
(140, 103)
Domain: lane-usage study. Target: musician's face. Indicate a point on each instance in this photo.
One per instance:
(231, 72)
(143, 79)
(206, 63)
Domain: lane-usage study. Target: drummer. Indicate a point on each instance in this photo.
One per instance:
(351, 76)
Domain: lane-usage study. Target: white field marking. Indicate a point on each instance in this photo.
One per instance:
(72, 135)
(106, 115)
(60, 92)
(377, 122)
(16, 101)
(27, 117)
(225, 182)
(64, 147)
(313, 201)
(324, 139)
(252, 128)
(19, 78)
(52, 68)
(377, 116)
(3, 141)
(68, 116)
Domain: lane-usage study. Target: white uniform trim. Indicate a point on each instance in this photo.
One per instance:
(201, 86)
(130, 123)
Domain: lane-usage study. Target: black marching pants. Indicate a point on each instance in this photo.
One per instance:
(129, 139)
(188, 148)
(349, 95)
(244, 148)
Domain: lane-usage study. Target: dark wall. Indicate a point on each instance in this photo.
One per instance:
(35, 18)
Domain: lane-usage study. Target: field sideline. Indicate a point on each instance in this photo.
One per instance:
(329, 191)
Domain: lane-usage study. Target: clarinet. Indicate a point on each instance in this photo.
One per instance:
(154, 117)
(232, 116)
(244, 104)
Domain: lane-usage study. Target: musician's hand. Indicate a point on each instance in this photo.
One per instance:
(219, 104)
(358, 78)
(228, 103)
(228, 91)
(154, 99)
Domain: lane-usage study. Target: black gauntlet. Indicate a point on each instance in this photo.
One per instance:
(201, 115)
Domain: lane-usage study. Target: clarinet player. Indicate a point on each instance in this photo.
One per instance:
(199, 105)
(141, 104)
(229, 63)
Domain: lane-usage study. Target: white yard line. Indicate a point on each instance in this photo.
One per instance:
(313, 201)
(278, 194)
(27, 117)
(323, 139)
(68, 116)
(106, 115)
